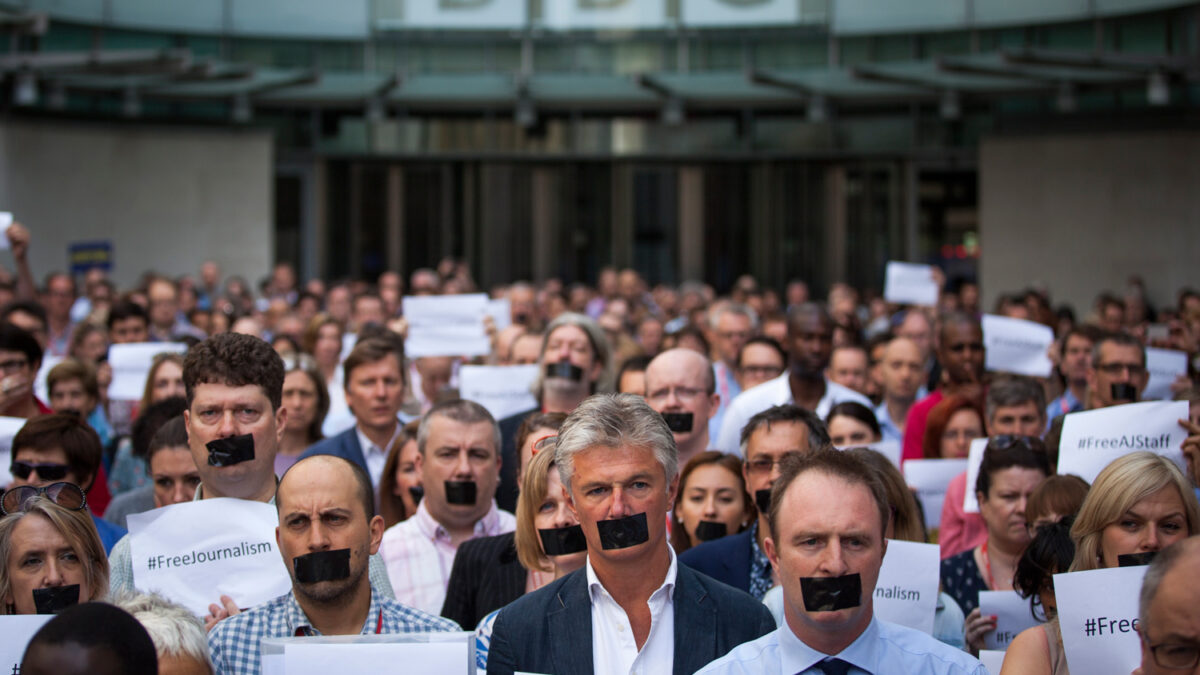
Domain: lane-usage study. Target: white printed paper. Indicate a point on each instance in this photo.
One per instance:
(1091, 439)
(1163, 365)
(1097, 613)
(910, 284)
(40, 388)
(18, 630)
(991, 659)
(446, 325)
(1017, 346)
(929, 477)
(974, 459)
(907, 590)
(9, 426)
(1012, 616)
(501, 313)
(6, 221)
(503, 390)
(195, 552)
(419, 652)
(131, 366)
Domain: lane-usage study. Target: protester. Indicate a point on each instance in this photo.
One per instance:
(172, 470)
(91, 639)
(848, 365)
(1169, 608)
(1055, 498)
(20, 358)
(307, 402)
(47, 542)
(145, 428)
(1074, 362)
(950, 427)
(712, 501)
(177, 634)
(631, 376)
(680, 386)
(901, 377)
(852, 424)
(400, 485)
(164, 380)
(73, 387)
(732, 326)
(960, 357)
(1049, 552)
(761, 359)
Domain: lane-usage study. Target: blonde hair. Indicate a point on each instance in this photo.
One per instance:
(79, 531)
(532, 494)
(1119, 487)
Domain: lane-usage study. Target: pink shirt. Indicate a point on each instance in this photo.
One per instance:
(914, 426)
(959, 531)
(419, 556)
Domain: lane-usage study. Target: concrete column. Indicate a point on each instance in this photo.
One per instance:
(691, 222)
(835, 223)
(545, 188)
(395, 219)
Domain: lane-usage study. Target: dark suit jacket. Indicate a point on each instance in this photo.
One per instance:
(550, 630)
(506, 492)
(344, 445)
(726, 559)
(486, 576)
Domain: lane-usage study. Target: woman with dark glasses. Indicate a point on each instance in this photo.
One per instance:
(50, 553)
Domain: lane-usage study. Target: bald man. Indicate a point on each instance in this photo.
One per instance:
(327, 532)
(902, 372)
(680, 385)
(1169, 611)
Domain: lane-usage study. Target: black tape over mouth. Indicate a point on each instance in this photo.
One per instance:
(762, 499)
(55, 599)
(707, 530)
(322, 566)
(623, 532)
(678, 422)
(829, 594)
(1136, 559)
(563, 540)
(565, 370)
(230, 451)
(1123, 391)
(463, 492)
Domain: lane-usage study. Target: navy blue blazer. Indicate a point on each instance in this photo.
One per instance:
(550, 630)
(344, 445)
(726, 559)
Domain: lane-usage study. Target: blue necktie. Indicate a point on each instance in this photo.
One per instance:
(833, 666)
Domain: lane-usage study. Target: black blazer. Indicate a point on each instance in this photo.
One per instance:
(506, 491)
(486, 576)
(726, 559)
(550, 630)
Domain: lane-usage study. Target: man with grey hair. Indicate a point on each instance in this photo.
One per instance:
(732, 325)
(574, 363)
(177, 634)
(458, 458)
(1169, 622)
(632, 608)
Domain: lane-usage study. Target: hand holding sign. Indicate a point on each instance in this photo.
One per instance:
(1012, 614)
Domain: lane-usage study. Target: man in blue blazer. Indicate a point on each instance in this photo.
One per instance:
(769, 436)
(374, 381)
(632, 607)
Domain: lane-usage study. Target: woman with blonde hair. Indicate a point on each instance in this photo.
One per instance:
(1140, 503)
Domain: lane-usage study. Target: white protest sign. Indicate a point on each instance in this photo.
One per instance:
(6, 221)
(907, 590)
(348, 342)
(40, 388)
(503, 390)
(1012, 616)
(991, 659)
(1097, 613)
(1163, 366)
(446, 325)
(501, 313)
(131, 365)
(9, 426)
(929, 477)
(1017, 346)
(910, 284)
(1093, 438)
(195, 552)
(419, 652)
(974, 459)
(18, 630)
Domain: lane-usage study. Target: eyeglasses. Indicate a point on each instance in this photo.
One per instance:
(1175, 656)
(13, 365)
(19, 499)
(684, 394)
(763, 465)
(49, 471)
(1115, 369)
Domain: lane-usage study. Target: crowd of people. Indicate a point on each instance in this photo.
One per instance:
(700, 486)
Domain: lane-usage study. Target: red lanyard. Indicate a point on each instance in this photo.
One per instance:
(987, 566)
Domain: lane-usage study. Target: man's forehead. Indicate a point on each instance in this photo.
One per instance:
(443, 430)
(1016, 408)
(760, 353)
(808, 509)
(783, 436)
(607, 462)
(219, 392)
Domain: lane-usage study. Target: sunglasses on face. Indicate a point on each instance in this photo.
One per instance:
(19, 499)
(49, 471)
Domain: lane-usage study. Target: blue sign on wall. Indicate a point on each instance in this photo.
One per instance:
(85, 255)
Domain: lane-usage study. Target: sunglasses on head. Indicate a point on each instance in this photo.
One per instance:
(19, 499)
(50, 471)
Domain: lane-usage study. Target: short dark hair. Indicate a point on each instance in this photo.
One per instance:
(462, 411)
(31, 307)
(634, 364)
(1119, 339)
(69, 433)
(818, 435)
(172, 434)
(13, 338)
(1027, 453)
(371, 350)
(366, 494)
(762, 340)
(126, 309)
(855, 410)
(150, 420)
(73, 369)
(830, 462)
(955, 318)
(234, 360)
(1050, 552)
(1011, 390)
(537, 420)
(99, 625)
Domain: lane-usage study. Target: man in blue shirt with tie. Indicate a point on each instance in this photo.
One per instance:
(828, 516)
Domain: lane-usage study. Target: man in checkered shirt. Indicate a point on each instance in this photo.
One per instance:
(326, 508)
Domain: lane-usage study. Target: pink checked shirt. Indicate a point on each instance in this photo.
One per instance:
(419, 555)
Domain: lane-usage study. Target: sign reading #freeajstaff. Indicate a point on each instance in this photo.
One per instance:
(446, 325)
(131, 365)
(1097, 613)
(1163, 366)
(907, 590)
(1012, 614)
(1091, 439)
(929, 477)
(17, 630)
(195, 552)
(503, 390)
(910, 284)
(1017, 346)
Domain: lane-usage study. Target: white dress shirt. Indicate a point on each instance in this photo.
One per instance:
(772, 393)
(614, 649)
(374, 455)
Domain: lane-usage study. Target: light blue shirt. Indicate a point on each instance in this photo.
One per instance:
(882, 648)
(891, 432)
